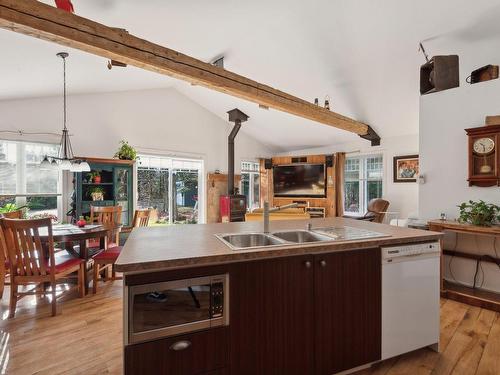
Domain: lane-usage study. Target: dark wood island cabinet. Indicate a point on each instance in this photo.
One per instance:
(298, 310)
(288, 316)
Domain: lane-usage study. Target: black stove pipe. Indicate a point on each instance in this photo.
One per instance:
(230, 157)
(236, 116)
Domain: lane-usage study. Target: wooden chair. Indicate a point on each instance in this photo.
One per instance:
(141, 218)
(107, 215)
(107, 258)
(4, 258)
(31, 263)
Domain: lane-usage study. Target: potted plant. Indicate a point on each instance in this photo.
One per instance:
(12, 207)
(479, 213)
(96, 193)
(95, 177)
(126, 152)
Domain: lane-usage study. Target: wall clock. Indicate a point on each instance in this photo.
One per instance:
(484, 156)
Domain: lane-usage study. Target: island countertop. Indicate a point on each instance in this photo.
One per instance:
(170, 247)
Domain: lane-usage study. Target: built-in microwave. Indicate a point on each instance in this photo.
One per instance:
(174, 307)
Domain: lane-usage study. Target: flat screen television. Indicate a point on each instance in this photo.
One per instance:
(301, 180)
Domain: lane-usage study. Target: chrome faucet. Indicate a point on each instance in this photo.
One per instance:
(267, 210)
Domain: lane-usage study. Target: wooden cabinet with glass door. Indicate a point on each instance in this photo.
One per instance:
(109, 183)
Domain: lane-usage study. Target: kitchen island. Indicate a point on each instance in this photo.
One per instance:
(194, 305)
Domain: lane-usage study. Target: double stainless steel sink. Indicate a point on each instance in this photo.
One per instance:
(239, 241)
(245, 241)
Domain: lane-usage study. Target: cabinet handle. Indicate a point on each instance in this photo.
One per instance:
(308, 264)
(180, 345)
(322, 263)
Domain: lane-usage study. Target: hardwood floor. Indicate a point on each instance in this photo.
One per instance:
(470, 344)
(86, 338)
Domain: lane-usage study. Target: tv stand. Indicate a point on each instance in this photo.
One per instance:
(325, 204)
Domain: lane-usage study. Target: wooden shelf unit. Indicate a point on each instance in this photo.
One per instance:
(458, 292)
(267, 186)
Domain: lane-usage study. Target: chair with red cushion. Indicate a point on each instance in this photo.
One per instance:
(107, 215)
(32, 263)
(107, 258)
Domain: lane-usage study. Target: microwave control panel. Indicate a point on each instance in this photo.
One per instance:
(217, 299)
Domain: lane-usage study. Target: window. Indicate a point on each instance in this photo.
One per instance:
(171, 187)
(363, 182)
(250, 183)
(24, 184)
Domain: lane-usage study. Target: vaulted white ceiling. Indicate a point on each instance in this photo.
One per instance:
(363, 54)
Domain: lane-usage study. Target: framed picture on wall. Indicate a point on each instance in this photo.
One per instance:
(406, 168)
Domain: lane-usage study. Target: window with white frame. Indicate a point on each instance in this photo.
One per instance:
(23, 183)
(363, 176)
(250, 183)
(172, 187)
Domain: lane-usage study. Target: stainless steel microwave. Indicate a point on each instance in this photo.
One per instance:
(175, 307)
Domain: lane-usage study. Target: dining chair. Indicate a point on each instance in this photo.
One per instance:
(107, 258)
(107, 215)
(32, 263)
(4, 258)
(141, 218)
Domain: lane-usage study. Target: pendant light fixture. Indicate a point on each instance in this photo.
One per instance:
(66, 160)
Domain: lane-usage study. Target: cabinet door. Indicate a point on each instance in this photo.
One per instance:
(347, 310)
(123, 192)
(271, 317)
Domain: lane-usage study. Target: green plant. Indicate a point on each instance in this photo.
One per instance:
(93, 174)
(479, 213)
(126, 152)
(95, 190)
(11, 207)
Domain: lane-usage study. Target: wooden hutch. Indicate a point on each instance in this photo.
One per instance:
(116, 183)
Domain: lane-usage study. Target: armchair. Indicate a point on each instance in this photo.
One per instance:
(377, 209)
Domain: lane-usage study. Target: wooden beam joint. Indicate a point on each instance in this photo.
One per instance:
(371, 136)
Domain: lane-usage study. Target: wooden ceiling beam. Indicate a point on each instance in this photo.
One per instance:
(43, 21)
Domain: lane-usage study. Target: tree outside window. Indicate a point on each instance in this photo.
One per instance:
(250, 183)
(363, 177)
(170, 187)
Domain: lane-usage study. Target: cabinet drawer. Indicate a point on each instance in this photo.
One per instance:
(221, 371)
(197, 353)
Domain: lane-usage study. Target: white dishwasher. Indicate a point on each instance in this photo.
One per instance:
(410, 297)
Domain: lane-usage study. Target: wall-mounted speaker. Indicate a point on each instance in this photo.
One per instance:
(439, 73)
(329, 161)
(268, 163)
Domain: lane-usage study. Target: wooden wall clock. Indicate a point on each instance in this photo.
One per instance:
(484, 156)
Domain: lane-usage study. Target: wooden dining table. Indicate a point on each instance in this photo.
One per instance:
(69, 235)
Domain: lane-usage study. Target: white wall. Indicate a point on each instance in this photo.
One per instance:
(443, 146)
(154, 121)
(443, 160)
(403, 197)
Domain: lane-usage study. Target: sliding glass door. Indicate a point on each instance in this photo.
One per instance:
(171, 187)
